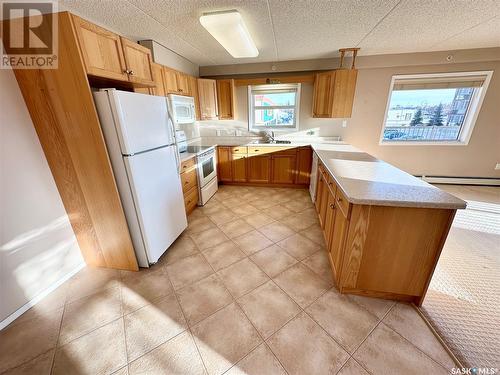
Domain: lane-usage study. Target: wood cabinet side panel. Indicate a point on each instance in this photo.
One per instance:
(344, 88)
(62, 109)
(400, 249)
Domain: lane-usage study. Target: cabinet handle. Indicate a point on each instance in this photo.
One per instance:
(330, 183)
(339, 199)
(131, 72)
(180, 90)
(332, 206)
(126, 71)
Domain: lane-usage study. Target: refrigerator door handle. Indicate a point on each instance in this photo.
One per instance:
(172, 131)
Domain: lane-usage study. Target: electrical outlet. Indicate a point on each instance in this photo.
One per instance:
(497, 167)
(344, 123)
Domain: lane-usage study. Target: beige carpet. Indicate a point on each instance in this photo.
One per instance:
(463, 301)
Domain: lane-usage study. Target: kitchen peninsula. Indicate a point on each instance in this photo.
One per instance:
(384, 228)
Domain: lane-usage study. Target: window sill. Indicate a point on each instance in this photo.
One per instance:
(423, 143)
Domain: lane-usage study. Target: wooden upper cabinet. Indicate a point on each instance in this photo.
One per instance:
(159, 88)
(333, 94)
(193, 89)
(138, 61)
(176, 82)
(183, 84)
(101, 50)
(207, 93)
(170, 80)
(226, 99)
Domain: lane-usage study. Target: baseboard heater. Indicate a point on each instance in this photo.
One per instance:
(487, 181)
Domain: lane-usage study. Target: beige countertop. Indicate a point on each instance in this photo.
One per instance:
(187, 155)
(365, 179)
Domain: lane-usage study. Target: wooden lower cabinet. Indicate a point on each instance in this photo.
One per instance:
(283, 169)
(259, 168)
(224, 168)
(380, 251)
(189, 180)
(337, 228)
(239, 167)
(304, 164)
(270, 165)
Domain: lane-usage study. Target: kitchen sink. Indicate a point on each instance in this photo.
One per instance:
(268, 142)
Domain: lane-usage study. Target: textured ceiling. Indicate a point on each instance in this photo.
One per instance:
(303, 29)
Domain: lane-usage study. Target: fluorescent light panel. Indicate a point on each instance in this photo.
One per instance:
(229, 29)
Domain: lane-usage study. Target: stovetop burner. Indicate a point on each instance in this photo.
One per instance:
(197, 149)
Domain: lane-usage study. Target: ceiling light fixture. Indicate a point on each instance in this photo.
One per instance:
(229, 29)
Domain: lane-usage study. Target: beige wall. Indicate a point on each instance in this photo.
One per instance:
(477, 159)
(38, 248)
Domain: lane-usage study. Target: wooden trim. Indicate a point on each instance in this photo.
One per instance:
(64, 116)
(438, 337)
(420, 301)
(384, 295)
(268, 184)
(262, 80)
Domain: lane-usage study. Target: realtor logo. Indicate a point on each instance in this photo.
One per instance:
(29, 34)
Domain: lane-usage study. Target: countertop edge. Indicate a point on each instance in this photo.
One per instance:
(358, 200)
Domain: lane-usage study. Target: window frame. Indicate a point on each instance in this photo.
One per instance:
(279, 86)
(470, 118)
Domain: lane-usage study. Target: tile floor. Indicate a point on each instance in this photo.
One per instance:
(245, 290)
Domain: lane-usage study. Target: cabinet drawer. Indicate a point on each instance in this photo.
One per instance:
(188, 180)
(342, 202)
(191, 199)
(187, 165)
(239, 150)
(269, 149)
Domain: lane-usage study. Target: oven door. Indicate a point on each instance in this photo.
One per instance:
(207, 167)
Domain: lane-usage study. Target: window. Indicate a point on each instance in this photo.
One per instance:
(433, 108)
(273, 107)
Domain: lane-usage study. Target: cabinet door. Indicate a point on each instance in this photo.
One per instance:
(138, 61)
(207, 93)
(239, 164)
(170, 80)
(323, 94)
(258, 168)
(159, 88)
(329, 218)
(101, 50)
(183, 84)
(324, 202)
(224, 164)
(337, 241)
(226, 99)
(283, 169)
(193, 89)
(343, 92)
(304, 164)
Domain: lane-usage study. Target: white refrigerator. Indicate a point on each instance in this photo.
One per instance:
(140, 137)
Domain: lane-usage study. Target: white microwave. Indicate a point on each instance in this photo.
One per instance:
(182, 107)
